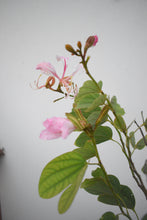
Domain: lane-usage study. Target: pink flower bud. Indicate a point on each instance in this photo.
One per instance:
(95, 40)
(91, 41)
(56, 127)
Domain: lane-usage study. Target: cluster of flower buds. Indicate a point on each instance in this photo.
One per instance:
(91, 41)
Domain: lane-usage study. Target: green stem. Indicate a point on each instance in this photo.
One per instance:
(108, 182)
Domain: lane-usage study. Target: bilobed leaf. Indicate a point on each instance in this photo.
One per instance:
(89, 87)
(87, 151)
(109, 216)
(59, 173)
(69, 194)
(99, 185)
(126, 198)
(118, 110)
(141, 143)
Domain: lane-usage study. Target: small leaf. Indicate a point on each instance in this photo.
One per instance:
(141, 144)
(120, 123)
(132, 139)
(98, 186)
(87, 151)
(81, 139)
(98, 173)
(69, 194)
(109, 216)
(144, 168)
(101, 134)
(127, 195)
(118, 110)
(127, 198)
(59, 173)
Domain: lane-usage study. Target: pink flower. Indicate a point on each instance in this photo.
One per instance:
(65, 82)
(56, 127)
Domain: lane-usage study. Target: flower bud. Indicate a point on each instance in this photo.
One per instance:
(79, 44)
(91, 41)
(69, 48)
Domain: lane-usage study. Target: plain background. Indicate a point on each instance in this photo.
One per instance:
(35, 31)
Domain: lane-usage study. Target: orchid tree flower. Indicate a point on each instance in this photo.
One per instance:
(65, 82)
(56, 127)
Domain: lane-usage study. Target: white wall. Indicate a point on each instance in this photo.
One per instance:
(35, 31)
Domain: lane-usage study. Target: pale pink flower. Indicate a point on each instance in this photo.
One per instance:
(65, 81)
(56, 127)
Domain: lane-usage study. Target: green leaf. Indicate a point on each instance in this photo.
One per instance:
(81, 139)
(69, 194)
(144, 168)
(141, 143)
(109, 216)
(126, 198)
(98, 173)
(132, 139)
(98, 186)
(118, 110)
(89, 87)
(120, 123)
(95, 186)
(102, 134)
(100, 100)
(86, 100)
(87, 151)
(59, 173)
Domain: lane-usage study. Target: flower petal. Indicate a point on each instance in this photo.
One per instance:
(65, 59)
(47, 68)
(56, 127)
(95, 40)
